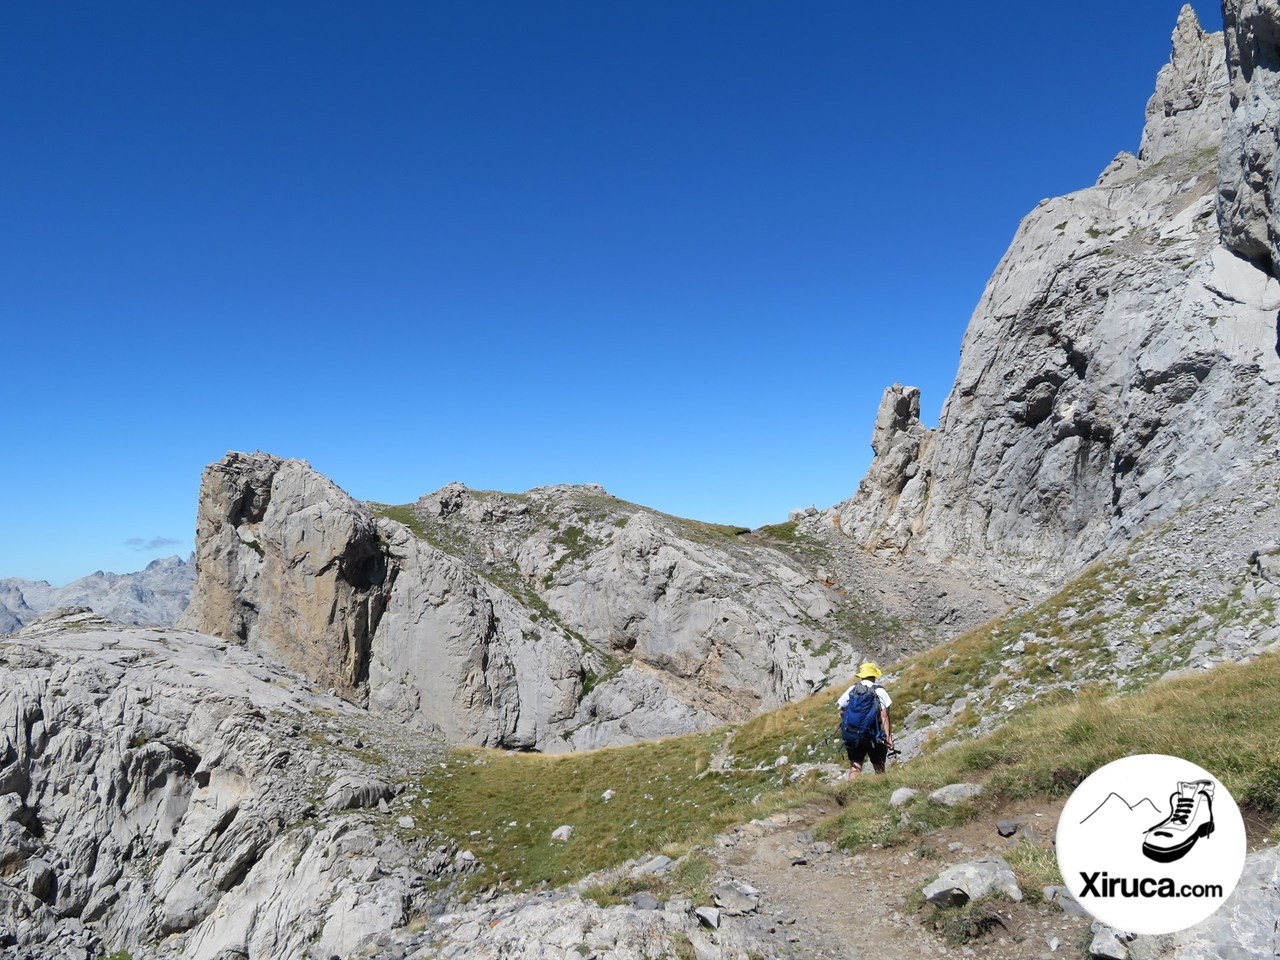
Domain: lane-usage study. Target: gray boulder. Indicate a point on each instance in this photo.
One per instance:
(974, 880)
(735, 899)
(708, 917)
(902, 796)
(351, 791)
(1065, 901)
(1108, 943)
(955, 793)
(1245, 927)
(654, 865)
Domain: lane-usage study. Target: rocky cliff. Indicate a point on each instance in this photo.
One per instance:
(168, 794)
(156, 595)
(1122, 360)
(556, 619)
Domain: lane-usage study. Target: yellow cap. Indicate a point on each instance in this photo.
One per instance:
(868, 671)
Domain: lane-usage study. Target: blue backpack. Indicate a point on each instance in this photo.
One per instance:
(860, 718)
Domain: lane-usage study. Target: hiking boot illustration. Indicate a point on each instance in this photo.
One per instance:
(1190, 818)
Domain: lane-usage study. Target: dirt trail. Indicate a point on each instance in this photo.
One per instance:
(828, 903)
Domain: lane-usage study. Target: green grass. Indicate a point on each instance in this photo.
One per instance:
(788, 538)
(405, 514)
(665, 800)
(577, 546)
(805, 729)
(712, 534)
(1035, 867)
(786, 532)
(957, 925)
(1050, 749)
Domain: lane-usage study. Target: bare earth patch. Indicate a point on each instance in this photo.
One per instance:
(829, 903)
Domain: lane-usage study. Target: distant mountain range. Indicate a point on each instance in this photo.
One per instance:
(155, 595)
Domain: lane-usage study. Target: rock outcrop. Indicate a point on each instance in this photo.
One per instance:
(156, 595)
(1247, 212)
(1123, 356)
(558, 619)
(158, 795)
(288, 563)
(1188, 109)
(1247, 925)
(892, 496)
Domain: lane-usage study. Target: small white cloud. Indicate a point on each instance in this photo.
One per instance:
(155, 543)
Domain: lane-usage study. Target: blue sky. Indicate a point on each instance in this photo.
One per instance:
(678, 249)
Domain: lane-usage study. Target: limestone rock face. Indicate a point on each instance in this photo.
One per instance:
(557, 619)
(1120, 362)
(892, 496)
(1189, 107)
(288, 563)
(1247, 210)
(459, 656)
(156, 790)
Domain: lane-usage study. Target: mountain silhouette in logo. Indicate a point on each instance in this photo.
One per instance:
(1116, 809)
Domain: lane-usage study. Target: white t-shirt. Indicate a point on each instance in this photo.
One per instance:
(885, 700)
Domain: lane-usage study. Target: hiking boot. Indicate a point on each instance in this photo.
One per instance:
(1190, 818)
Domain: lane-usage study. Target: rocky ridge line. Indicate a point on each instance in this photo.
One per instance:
(557, 619)
(156, 595)
(1122, 361)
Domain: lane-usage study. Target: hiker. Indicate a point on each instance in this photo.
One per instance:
(864, 721)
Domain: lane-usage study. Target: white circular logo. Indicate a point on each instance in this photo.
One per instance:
(1151, 844)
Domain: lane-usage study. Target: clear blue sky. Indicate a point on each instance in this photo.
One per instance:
(676, 248)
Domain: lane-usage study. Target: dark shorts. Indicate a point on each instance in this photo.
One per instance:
(859, 749)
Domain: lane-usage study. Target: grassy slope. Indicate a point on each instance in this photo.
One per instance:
(666, 800)
(504, 806)
(1225, 720)
(1058, 691)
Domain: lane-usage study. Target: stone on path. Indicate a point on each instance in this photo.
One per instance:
(902, 796)
(955, 793)
(974, 880)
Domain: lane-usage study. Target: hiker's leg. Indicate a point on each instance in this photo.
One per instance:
(879, 754)
(857, 750)
(855, 758)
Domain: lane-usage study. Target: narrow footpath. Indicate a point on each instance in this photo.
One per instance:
(831, 904)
